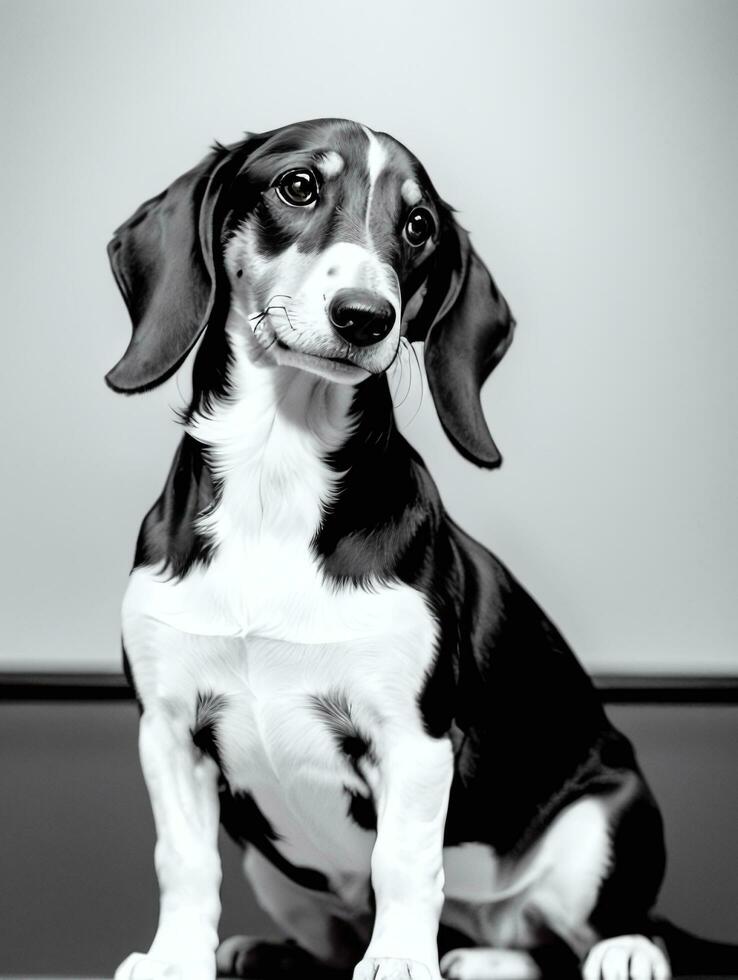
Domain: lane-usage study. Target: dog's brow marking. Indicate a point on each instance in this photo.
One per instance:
(331, 164)
(411, 192)
(375, 161)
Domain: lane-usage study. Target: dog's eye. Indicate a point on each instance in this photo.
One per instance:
(419, 227)
(298, 188)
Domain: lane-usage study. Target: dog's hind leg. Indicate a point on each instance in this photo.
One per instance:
(486, 963)
(263, 959)
(321, 940)
(552, 961)
(621, 915)
(538, 926)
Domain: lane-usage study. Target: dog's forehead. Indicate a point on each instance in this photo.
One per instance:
(340, 147)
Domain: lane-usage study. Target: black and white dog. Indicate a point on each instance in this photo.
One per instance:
(325, 661)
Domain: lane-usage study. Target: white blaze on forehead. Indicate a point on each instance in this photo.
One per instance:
(376, 159)
(411, 192)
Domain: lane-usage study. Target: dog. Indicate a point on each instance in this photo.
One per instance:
(414, 761)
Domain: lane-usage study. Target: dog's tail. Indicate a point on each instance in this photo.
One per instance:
(690, 955)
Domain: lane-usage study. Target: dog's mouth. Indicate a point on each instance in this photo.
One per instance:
(273, 343)
(335, 368)
(334, 359)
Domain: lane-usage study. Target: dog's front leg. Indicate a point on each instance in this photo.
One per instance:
(411, 795)
(182, 785)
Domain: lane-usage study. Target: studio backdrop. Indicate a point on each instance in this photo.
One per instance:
(590, 149)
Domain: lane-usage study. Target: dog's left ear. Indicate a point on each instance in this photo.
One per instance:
(164, 263)
(467, 327)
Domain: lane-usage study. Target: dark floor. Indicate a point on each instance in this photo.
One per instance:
(77, 887)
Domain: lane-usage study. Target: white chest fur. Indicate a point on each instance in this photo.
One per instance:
(267, 445)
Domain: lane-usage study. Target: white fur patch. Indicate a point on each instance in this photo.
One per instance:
(626, 958)
(376, 160)
(331, 164)
(411, 192)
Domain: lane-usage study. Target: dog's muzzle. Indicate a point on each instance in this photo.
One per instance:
(362, 318)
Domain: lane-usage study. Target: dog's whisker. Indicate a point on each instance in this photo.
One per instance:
(268, 306)
(398, 373)
(266, 312)
(285, 311)
(256, 327)
(396, 354)
(397, 368)
(259, 317)
(422, 386)
(410, 380)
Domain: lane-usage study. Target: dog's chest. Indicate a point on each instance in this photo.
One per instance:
(262, 576)
(299, 702)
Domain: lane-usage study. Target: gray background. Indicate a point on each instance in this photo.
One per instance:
(592, 150)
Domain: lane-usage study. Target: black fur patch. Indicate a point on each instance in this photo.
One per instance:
(205, 730)
(362, 811)
(638, 864)
(168, 536)
(335, 710)
(246, 824)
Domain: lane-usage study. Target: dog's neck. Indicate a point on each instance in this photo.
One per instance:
(280, 459)
(267, 442)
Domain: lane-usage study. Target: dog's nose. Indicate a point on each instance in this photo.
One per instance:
(362, 318)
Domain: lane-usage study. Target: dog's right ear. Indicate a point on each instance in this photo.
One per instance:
(166, 267)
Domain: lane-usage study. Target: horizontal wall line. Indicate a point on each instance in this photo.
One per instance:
(63, 686)
(615, 688)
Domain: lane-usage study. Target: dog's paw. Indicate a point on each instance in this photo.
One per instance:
(391, 968)
(247, 956)
(626, 958)
(485, 963)
(143, 966)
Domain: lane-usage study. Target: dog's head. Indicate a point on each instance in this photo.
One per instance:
(323, 243)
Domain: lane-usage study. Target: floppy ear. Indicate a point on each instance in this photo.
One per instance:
(467, 327)
(164, 264)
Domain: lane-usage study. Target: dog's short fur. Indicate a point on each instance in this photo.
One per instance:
(363, 694)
